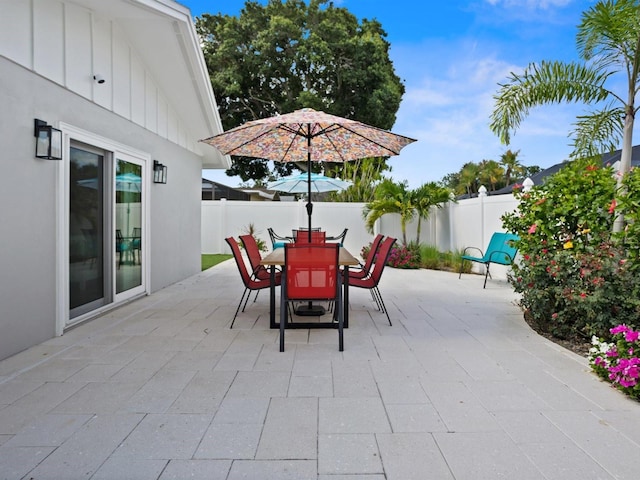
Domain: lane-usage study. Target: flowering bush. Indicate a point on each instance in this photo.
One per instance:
(573, 294)
(572, 271)
(618, 361)
(405, 256)
(401, 256)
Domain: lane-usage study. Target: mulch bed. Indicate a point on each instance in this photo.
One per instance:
(579, 346)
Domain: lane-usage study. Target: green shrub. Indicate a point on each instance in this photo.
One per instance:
(574, 275)
(430, 257)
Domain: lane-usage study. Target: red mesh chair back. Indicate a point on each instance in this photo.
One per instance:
(237, 255)
(255, 257)
(311, 271)
(302, 236)
(381, 260)
(250, 283)
(368, 263)
(371, 282)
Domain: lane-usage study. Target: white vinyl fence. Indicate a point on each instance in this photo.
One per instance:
(466, 223)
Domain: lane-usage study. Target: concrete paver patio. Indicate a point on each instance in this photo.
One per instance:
(458, 388)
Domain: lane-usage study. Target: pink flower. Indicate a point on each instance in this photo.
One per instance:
(613, 205)
(532, 228)
(622, 328)
(631, 336)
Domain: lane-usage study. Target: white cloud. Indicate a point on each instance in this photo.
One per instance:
(447, 108)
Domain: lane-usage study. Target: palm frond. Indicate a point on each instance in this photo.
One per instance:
(541, 84)
(597, 132)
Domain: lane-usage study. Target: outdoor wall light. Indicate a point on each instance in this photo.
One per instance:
(48, 141)
(159, 172)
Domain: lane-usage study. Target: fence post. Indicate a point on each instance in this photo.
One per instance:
(482, 193)
(222, 228)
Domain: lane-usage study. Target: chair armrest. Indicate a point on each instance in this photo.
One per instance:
(500, 252)
(464, 252)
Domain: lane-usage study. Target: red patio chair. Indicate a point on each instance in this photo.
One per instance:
(258, 271)
(371, 282)
(365, 269)
(311, 272)
(250, 283)
(302, 236)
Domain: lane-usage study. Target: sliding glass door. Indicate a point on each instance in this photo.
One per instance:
(106, 228)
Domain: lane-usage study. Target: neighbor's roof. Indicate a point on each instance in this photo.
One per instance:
(539, 178)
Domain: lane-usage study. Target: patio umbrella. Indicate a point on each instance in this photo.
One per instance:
(308, 135)
(126, 182)
(300, 184)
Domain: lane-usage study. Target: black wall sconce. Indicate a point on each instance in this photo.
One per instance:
(48, 141)
(159, 172)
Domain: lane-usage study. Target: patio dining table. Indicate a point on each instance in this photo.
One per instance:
(276, 259)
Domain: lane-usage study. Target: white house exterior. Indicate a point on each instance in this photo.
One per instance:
(126, 83)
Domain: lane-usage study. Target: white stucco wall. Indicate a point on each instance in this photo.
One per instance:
(29, 190)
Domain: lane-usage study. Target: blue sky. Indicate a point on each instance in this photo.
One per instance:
(451, 55)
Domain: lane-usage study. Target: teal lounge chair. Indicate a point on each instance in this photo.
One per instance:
(501, 250)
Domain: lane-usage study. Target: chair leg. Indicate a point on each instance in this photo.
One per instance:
(340, 310)
(246, 300)
(256, 297)
(284, 313)
(374, 298)
(485, 276)
(384, 308)
(238, 309)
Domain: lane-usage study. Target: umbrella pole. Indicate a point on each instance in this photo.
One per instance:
(309, 204)
(310, 310)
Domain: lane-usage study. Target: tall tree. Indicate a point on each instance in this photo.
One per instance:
(286, 55)
(391, 197)
(426, 196)
(512, 166)
(492, 173)
(469, 178)
(608, 41)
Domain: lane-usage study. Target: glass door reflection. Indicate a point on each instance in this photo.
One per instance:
(128, 225)
(86, 220)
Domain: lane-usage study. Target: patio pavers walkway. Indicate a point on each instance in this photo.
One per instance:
(458, 388)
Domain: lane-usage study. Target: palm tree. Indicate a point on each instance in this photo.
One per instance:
(426, 196)
(393, 197)
(390, 197)
(608, 40)
(512, 166)
(491, 172)
(469, 177)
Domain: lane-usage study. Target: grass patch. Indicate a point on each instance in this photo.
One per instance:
(211, 259)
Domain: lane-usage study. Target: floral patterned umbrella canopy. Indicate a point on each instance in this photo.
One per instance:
(309, 135)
